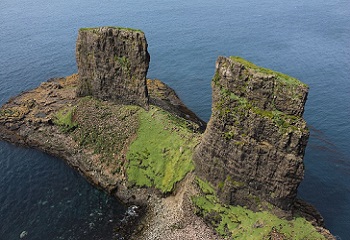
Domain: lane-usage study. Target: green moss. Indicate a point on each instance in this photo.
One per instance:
(221, 185)
(229, 135)
(237, 222)
(124, 63)
(8, 113)
(280, 76)
(216, 78)
(234, 183)
(242, 107)
(64, 119)
(161, 154)
(205, 186)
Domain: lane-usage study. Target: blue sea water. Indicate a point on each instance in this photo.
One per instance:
(305, 39)
(42, 197)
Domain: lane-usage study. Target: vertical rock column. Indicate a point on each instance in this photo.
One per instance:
(112, 64)
(252, 150)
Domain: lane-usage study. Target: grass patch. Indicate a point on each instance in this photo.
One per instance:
(161, 155)
(64, 119)
(235, 222)
(280, 76)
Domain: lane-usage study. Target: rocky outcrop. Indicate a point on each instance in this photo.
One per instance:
(253, 147)
(163, 96)
(112, 64)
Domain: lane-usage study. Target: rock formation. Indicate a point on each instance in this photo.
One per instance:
(112, 64)
(252, 150)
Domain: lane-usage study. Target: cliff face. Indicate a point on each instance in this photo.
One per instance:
(253, 147)
(112, 64)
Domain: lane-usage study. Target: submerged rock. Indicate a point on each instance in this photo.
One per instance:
(253, 147)
(23, 234)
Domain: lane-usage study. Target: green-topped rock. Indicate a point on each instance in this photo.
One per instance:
(263, 88)
(253, 147)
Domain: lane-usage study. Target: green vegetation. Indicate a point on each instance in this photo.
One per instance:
(161, 155)
(233, 106)
(235, 222)
(280, 76)
(124, 63)
(105, 128)
(64, 119)
(229, 135)
(7, 112)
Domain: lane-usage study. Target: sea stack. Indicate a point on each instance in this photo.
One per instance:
(113, 64)
(252, 150)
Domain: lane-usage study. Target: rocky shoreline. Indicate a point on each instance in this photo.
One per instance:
(134, 138)
(27, 120)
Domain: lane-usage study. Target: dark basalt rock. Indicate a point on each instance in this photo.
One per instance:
(112, 64)
(253, 147)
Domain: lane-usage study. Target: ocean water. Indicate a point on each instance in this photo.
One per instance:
(42, 198)
(305, 39)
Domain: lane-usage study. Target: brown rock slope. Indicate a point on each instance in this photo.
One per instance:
(253, 147)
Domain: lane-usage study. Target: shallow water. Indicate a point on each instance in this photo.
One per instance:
(308, 40)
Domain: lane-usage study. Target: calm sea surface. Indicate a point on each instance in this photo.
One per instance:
(305, 39)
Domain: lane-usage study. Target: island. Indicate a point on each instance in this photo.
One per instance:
(235, 177)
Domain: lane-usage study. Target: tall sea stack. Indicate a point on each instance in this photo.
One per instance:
(252, 150)
(113, 64)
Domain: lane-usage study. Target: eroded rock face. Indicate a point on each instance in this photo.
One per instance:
(252, 150)
(112, 64)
